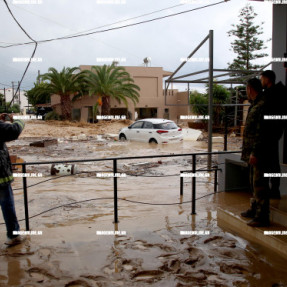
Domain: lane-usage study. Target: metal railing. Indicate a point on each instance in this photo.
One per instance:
(115, 160)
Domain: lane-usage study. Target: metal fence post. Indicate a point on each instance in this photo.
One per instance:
(225, 129)
(115, 192)
(25, 197)
(215, 179)
(181, 184)
(210, 97)
(193, 184)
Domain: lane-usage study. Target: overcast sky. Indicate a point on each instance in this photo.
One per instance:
(166, 41)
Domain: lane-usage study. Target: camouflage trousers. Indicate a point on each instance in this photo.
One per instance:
(260, 188)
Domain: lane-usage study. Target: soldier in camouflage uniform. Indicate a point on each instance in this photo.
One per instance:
(252, 153)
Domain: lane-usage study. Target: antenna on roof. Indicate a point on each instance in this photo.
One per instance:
(147, 61)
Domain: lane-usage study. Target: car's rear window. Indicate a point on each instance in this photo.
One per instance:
(165, 126)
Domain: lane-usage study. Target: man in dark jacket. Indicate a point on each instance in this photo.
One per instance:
(253, 150)
(275, 98)
(8, 132)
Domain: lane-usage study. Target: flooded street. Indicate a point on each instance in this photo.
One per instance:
(151, 249)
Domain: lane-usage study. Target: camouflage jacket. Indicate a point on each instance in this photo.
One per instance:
(253, 131)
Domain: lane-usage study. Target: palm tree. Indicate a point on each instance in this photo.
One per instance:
(69, 81)
(110, 81)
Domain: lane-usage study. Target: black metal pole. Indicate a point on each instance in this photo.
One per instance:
(25, 198)
(181, 184)
(210, 97)
(215, 179)
(225, 129)
(193, 184)
(115, 192)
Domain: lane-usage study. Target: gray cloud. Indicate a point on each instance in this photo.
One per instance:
(165, 41)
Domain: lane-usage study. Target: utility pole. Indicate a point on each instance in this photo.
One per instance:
(5, 99)
(19, 100)
(12, 93)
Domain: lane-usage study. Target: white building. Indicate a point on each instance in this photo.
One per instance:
(18, 99)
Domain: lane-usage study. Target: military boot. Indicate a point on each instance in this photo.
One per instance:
(261, 218)
(250, 213)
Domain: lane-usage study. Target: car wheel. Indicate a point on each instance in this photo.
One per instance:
(152, 141)
(122, 137)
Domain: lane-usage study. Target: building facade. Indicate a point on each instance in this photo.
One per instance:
(152, 101)
(19, 99)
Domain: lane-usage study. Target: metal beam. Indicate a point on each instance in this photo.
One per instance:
(236, 71)
(216, 76)
(187, 75)
(210, 98)
(190, 55)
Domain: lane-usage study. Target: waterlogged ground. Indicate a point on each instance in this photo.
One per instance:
(151, 250)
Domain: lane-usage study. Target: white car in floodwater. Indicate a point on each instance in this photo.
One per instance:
(152, 131)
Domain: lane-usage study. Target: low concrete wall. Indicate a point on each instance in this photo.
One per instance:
(234, 174)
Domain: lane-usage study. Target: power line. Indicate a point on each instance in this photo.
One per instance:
(66, 27)
(133, 18)
(34, 51)
(106, 25)
(117, 28)
(6, 85)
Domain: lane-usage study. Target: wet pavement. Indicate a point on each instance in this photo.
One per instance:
(152, 249)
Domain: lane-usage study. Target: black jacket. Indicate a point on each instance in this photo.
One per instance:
(275, 99)
(8, 132)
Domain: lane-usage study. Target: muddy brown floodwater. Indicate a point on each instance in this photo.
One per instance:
(152, 249)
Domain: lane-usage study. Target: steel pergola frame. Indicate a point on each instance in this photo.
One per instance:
(232, 75)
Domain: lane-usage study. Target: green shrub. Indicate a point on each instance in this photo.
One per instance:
(197, 98)
(52, 116)
(220, 96)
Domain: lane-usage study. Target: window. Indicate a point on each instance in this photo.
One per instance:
(76, 114)
(137, 125)
(147, 125)
(165, 126)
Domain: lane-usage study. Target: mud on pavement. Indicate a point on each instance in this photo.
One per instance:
(149, 247)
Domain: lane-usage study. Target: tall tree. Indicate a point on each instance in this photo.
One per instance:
(39, 94)
(246, 45)
(66, 83)
(110, 81)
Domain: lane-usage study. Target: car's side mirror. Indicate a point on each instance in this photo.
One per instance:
(129, 127)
